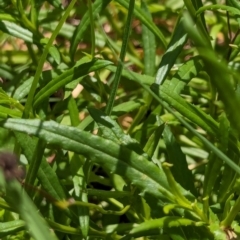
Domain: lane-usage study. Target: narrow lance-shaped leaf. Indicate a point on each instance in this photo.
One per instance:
(46, 174)
(68, 76)
(179, 169)
(11, 227)
(111, 130)
(80, 184)
(165, 222)
(228, 178)
(125, 40)
(149, 45)
(195, 114)
(97, 6)
(115, 158)
(175, 46)
(148, 80)
(17, 31)
(153, 141)
(27, 210)
(139, 13)
(217, 70)
(230, 9)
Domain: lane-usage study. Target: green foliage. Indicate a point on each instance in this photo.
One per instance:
(125, 116)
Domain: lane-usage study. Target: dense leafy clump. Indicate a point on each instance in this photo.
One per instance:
(119, 119)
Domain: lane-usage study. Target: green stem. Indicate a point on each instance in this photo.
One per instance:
(199, 22)
(33, 13)
(28, 106)
(227, 206)
(181, 200)
(92, 28)
(96, 207)
(206, 205)
(120, 205)
(32, 53)
(70, 230)
(232, 214)
(24, 18)
(27, 211)
(118, 73)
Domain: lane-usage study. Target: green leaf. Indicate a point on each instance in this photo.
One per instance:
(80, 185)
(112, 131)
(148, 80)
(6, 72)
(67, 77)
(75, 231)
(224, 127)
(5, 112)
(117, 76)
(54, 52)
(97, 7)
(149, 45)
(46, 174)
(179, 169)
(234, 3)
(174, 48)
(28, 211)
(165, 222)
(55, 3)
(11, 227)
(35, 164)
(228, 178)
(17, 31)
(73, 111)
(211, 174)
(30, 99)
(115, 158)
(192, 7)
(230, 9)
(142, 16)
(216, 68)
(153, 141)
(23, 89)
(171, 89)
(207, 143)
